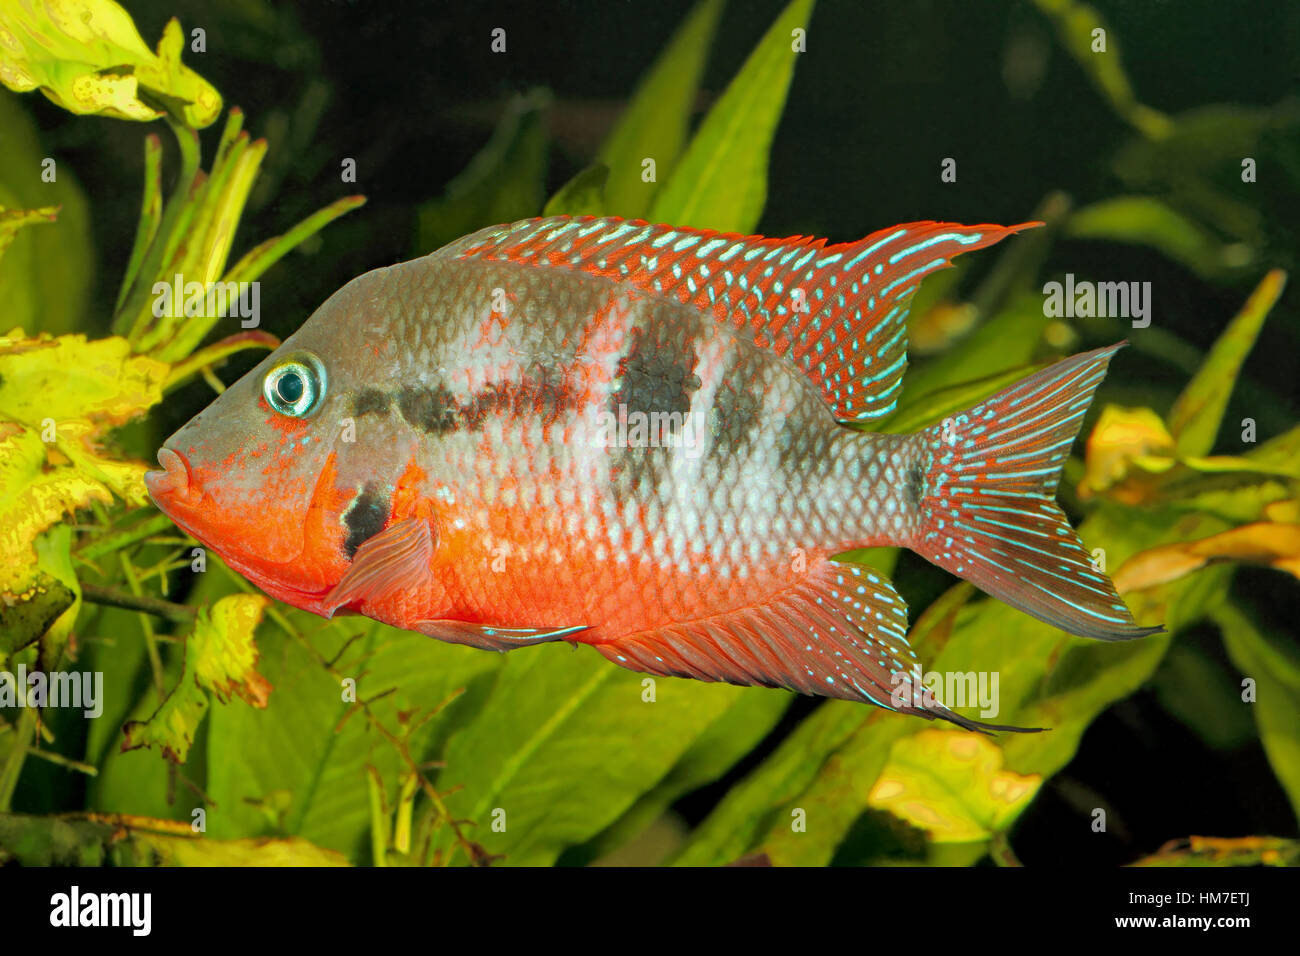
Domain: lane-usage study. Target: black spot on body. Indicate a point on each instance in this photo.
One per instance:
(365, 518)
(658, 372)
(655, 384)
(914, 486)
(734, 418)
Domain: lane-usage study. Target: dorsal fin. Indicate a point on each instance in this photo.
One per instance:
(838, 312)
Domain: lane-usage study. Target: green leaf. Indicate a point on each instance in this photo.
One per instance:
(45, 275)
(220, 658)
(735, 733)
(1004, 344)
(548, 756)
(1076, 23)
(1194, 419)
(655, 123)
(1145, 220)
(503, 183)
(134, 781)
(583, 195)
(1279, 452)
(721, 182)
(914, 414)
(1274, 665)
(298, 767)
(1190, 686)
(1197, 167)
(747, 809)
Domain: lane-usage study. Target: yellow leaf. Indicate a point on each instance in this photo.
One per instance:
(951, 784)
(221, 658)
(225, 654)
(32, 497)
(1283, 511)
(68, 377)
(1264, 542)
(88, 57)
(1121, 437)
(58, 396)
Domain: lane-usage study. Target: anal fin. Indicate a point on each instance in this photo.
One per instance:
(839, 633)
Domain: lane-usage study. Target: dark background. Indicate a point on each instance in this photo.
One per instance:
(885, 91)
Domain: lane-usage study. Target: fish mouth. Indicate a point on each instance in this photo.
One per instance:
(174, 482)
(175, 492)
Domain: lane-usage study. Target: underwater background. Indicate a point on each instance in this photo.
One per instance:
(1179, 749)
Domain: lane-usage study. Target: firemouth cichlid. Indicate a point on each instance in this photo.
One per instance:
(638, 437)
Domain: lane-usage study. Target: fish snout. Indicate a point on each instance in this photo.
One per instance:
(173, 482)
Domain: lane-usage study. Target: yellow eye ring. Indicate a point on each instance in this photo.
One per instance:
(295, 385)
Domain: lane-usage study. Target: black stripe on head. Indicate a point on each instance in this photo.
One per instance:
(542, 391)
(370, 400)
(365, 518)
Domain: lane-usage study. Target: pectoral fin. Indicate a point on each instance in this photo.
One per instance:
(396, 559)
(490, 637)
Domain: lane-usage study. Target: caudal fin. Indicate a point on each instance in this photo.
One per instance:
(988, 513)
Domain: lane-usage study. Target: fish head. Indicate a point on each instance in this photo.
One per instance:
(273, 475)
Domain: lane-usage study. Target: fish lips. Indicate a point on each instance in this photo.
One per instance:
(174, 483)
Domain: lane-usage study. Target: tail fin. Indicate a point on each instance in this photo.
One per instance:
(987, 510)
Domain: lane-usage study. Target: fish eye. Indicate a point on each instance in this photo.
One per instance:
(295, 386)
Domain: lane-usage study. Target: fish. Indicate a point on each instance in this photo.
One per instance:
(651, 440)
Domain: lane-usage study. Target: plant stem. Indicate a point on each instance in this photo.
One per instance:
(62, 761)
(167, 610)
(107, 544)
(13, 765)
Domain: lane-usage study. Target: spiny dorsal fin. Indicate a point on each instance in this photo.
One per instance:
(838, 312)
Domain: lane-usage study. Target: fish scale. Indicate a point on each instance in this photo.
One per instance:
(633, 436)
